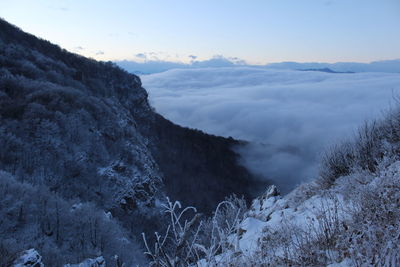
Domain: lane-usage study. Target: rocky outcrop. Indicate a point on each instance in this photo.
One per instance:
(96, 262)
(29, 258)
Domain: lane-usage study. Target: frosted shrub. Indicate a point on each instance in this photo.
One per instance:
(176, 247)
(336, 162)
(189, 239)
(374, 142)
(372, 237)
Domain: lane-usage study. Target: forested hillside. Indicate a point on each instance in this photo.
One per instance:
(82, 151)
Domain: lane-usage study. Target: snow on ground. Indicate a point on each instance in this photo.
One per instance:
(96, 262)
(277, 227)
(29, 257)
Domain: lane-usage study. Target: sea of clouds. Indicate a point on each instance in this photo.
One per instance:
(290, 117)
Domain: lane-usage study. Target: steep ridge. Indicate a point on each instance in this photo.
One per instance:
(78, 130)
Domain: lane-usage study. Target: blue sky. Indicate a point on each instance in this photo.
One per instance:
(256, 31)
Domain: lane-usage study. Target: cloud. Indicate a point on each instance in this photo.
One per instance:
(149, 66)
(216, 61)
(78, 48)
(290, 117)
(238, 61)
(100, 53)
(148, 58)
(141, 56)
(153, 64)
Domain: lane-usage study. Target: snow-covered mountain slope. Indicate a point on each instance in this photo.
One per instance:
(353, 223)
(80, 133)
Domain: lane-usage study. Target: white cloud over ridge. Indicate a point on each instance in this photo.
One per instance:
(289, 116)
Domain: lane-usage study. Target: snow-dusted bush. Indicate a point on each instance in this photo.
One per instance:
(188, 239)
(372, 236)
(177, 246)
(374, 142)
(216, 230)
(336, 162)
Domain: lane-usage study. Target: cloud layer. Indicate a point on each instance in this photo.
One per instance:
(289, 116)
(148, 63)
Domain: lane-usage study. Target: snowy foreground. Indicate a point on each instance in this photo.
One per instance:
(352, 223)
(355, 222)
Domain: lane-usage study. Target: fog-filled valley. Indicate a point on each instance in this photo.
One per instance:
(289, 117)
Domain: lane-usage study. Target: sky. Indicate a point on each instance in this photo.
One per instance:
(289, 117)
(256, 31)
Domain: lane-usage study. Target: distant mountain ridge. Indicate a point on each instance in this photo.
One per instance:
(392, 66)
(327, 70)
(156, 66)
